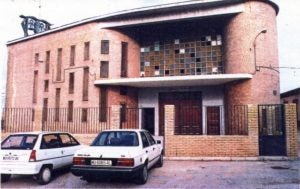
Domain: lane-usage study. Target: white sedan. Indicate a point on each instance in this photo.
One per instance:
(37, 154)
(119, 153)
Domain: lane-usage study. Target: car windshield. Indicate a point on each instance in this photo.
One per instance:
(19, 142)
(116, 138)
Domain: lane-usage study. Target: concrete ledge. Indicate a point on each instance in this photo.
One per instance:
(260, 158)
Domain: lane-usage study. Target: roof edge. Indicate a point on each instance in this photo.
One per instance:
(135, 10)
(290, 92)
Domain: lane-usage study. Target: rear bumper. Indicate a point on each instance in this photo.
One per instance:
(105, 171)
(29, 168)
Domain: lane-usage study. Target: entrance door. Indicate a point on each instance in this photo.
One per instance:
(188, 113)
(148, 119)
(272, 141)
(213, 120)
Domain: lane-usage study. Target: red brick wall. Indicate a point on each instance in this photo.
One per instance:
(21, 66)
(239, 54)
(211, 146)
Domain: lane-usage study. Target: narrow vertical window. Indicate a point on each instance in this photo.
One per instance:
(86, 51)
(84, 114)
(35, 83)
(104, 69)
(70, 111)
(71, 82)
(103, 104)
(85, 87)
(47, 64)
(124, 59)
(45, 109)
(123, 113)
(72, 55)
(36, 58)
(46, 86)
(59, 62)
(104, 46)
(57, 104)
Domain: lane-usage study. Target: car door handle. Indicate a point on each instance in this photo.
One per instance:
(62, 152)
(153, 148)
(146, 151)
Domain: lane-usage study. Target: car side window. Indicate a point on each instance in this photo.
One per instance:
(145, 141)
(150, 138)
(68, 140)
(50, 141)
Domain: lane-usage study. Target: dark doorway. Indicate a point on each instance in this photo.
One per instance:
(272, 141)
(148, 119)
(213, 120)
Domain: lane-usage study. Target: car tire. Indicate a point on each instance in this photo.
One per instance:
(160, 161)
(5, 177)
(45, 176)
(142, 175)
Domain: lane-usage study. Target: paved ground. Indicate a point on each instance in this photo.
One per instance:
(192, 174)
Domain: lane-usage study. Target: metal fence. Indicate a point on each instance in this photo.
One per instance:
(189, 120)
(76, 120)
(17, 119)
(236, 120)
(129, 118)
(271, 119)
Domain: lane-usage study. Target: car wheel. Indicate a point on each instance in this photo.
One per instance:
(143, 175)
(160, 161)
(5, 177)
(45, 175)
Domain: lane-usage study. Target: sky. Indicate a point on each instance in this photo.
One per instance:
(60, 12)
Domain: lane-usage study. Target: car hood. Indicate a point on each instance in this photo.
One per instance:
(108, 152)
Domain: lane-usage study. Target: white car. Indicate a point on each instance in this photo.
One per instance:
(37, 154)
(119, 153)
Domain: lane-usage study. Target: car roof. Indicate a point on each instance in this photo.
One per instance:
(37, 132)
(134, 130)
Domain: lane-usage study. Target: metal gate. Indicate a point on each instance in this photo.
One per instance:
(272, 141)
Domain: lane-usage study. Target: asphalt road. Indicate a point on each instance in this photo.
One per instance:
(190, 174)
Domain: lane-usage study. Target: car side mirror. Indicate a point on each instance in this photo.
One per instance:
(158, 142)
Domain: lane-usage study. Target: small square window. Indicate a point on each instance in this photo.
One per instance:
(123, 90)
(208, 38)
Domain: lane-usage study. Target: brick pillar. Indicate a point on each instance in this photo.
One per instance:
(38, 119)
(115, 117)
(253, 128)
(169, 128)
(291, 129)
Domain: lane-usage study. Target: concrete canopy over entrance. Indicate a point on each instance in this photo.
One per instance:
(174, 81)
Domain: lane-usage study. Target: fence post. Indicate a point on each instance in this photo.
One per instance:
(291, 129)
(115, 117)
(38, 119)
(169, 129)
(253, 128)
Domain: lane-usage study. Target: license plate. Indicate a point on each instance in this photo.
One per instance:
(101, 162)
(14, 158)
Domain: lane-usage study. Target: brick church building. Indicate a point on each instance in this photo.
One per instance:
(206, 59)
